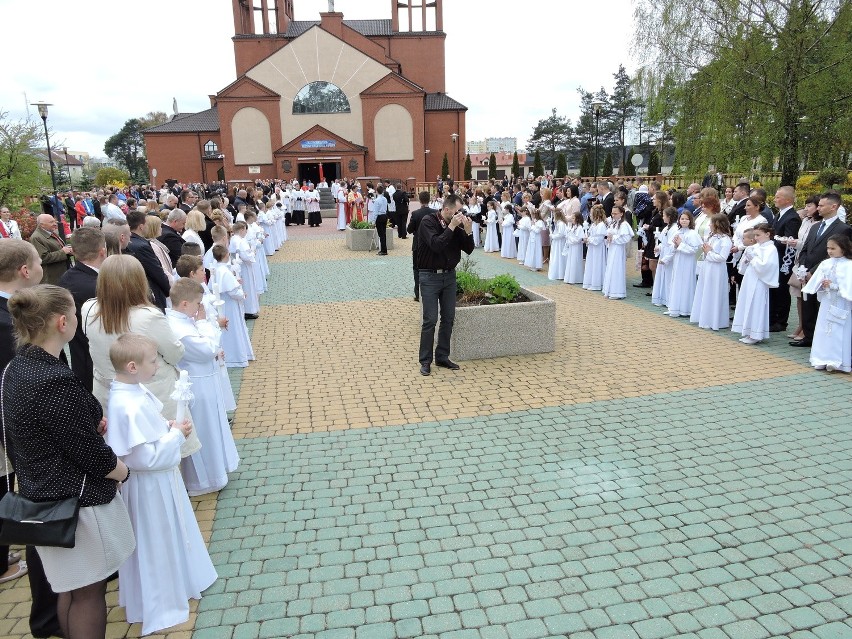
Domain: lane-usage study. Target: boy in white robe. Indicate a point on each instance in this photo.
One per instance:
(170, 564)
(240, 248)
(220, 237)
(235, 341)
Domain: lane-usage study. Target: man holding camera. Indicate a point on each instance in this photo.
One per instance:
(441, 238)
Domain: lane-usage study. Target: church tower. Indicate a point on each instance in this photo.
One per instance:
(417, 16)
(259, 30)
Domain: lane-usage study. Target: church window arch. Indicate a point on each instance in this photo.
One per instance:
(320, 97)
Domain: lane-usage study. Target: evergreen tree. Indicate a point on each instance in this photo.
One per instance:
(653, 164)
(628, 168)
(622, 109)
(516, 167)
(445, 166)
(127, 147)
(561, 165)
(492, 166)
(585, 166)
(468, 169)
(607, 167)
(538, 169)
(551, 135)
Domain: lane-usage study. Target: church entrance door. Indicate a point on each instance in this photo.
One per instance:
(311, 171)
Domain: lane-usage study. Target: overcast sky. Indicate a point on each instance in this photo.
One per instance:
(101, 62)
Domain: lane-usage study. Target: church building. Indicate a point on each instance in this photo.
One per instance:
(350, 98)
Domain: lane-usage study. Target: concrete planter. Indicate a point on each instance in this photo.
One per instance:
(360, 239)
(477, 329)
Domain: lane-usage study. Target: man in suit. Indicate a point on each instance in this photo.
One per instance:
(140, 248)
(413, 224)
(170, 234)
(813, 252)
(55, 254)
(607, 199)
(82, 280)
(785, 224)
(400, 199)
(741, 193)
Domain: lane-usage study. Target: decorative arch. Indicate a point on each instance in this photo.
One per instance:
(320, 97)
(251, 137)
(394, 133)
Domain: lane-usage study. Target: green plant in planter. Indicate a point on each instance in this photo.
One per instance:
(474, 289)
(503, 289)
(360, 225)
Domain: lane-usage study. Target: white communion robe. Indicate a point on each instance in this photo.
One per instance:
(509, 249)
(268, 233)
(242, 249)
(832, 340)
(615, 276)
(205, 472)
(340, 197)
(556, 269)
(474, 210)
(710, 308)
(534, 257)
(663, 277)
(210, 329)
(235, 341)
(492, 244)
(751, 317)
(595, 258)
(524, 227)
(170, 564)
(573, 250)
(682, 286)
(255, 236)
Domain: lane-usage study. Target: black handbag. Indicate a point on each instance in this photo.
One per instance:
(30, 523)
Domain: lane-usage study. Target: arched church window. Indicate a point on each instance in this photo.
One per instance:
(320, 97)
(211, 148)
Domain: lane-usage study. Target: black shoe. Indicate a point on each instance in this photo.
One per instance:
(250, 316)
(381, 253)
(448, 364)
(425, 369)
(416, 299)
(777, 328)
(800, 343)
(641, 286)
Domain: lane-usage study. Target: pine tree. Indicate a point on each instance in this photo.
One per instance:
(516, 166)
(628, 168)
(585, 166)
(561, 165)
(538, 169)
(653, 164)
(607, 167)
(468, 169)
(445, 167)
(492, 166)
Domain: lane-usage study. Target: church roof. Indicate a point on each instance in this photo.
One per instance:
(189, 122)
(442, 102)
(364, 27)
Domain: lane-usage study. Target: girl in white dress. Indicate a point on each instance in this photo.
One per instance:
(235, 340)
(474, 208)
(556, 270)
(618, 235)
(575, 236)
(508, 249)
(832, 284)
(534, 257)
(751, 317)
(686, 244)
(711, 308)
(492, 245)
(664, 250)
(524, 226)
(596, 253)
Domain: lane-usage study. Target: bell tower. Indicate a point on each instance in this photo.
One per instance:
(259, 29)
(417, 16)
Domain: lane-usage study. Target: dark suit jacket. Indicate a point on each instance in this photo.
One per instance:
(205, 235)
(786, 226)
(7, 336)
(414, 223)
(814, 251)
(173, 241)
(141, 249)
(739, 209)
(54, 261)
(82, 281)
(608, 202)
(400, 198)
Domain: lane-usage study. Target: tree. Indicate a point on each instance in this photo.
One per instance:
(445, 166)
(153, 118)
(110, 175)
(628, 168)
(585, 166)
(20, 174)
(468, 169)
(538, 169)
(653, 164)
(550, 135)
(622, 109)
(607, 167)
(492, 166)
(561, 165)
(516, 166)
(127, 147)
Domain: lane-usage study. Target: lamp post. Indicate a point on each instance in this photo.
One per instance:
(597, 105)
(425, 168)
(42, 111)
(68, 168)
(455, 137)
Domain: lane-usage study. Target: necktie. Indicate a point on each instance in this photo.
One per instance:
(821, 228)
(58, 239)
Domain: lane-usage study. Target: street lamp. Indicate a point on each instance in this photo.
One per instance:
(425, 168)
(455, 137)
(42, 111)
(68, 168)
(597, 105)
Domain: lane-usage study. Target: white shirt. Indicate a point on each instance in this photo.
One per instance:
(12, 229)
(112, 212)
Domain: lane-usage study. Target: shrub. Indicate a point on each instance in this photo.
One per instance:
(831, 175)
(360, 224)
(473, 289)
(26, 220)
(503, 288)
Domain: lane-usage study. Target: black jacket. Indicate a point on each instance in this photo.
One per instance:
(172, 241)
(414, 223)
(400, 199)
(815, 250)
(7, 335)
(141, 249)
(438, 247)
(82, 281)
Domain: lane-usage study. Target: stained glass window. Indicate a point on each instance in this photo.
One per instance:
(320, 97)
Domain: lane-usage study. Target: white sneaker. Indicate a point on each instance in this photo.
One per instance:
(749, 340)
(830, 368)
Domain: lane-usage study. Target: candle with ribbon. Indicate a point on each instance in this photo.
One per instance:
(182, 395)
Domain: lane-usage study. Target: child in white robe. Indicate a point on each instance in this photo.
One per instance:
(686, 243)
(235, 340)
(710, 308)
(524, 226)
(241, 248)
(751, 316)
(220, 237)
(575, 238)
(205, 471)
(556, 269)
(664, 250)
(255, 238)
(492, 244)
(534, 256)
(170, 564)
(474, 208)
(832, 284)
(596, 252)
(618, 235)
(509, 249)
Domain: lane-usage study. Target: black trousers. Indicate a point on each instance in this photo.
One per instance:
(401, 221)
(381, 229)
(780, 301)
(416, 276)
(43, 619)
(437, 289)
(4, 550)
(810, 310)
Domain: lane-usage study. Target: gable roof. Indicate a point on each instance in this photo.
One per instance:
(392, 84)
(364, 27)
(442, 102)
(189, 122)
(315, 132)
(245, 87)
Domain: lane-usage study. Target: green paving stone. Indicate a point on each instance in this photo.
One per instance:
(407, 609)
(529, 629)
(654, 629)
(616, 632)
(407, 628)
(222, 632)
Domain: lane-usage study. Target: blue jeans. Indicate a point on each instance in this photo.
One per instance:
(437, 289)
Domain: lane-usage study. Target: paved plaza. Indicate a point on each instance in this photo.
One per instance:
(646, 480)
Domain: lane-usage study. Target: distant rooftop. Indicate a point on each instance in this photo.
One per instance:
(189, 122)
(364, 27)
(442, 102)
